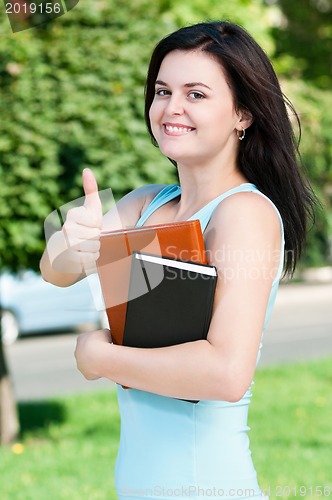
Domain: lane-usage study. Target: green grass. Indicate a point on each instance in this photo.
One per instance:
(69, 450)
(68, 445)
(291, 429)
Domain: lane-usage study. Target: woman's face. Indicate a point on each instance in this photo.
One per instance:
(193, 116)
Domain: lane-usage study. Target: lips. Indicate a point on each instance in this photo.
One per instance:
(177, 129)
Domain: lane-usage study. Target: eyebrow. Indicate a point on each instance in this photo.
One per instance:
(188, 85)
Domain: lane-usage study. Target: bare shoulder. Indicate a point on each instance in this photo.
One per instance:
(244, 223)
(247, 209)
(128, 209)
(140, 198)
(145, 194)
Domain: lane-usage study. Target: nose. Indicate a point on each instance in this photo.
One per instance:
(175, 105)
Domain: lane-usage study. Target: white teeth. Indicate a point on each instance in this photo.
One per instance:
(182, 130)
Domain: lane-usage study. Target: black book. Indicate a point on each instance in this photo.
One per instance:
(170, 301)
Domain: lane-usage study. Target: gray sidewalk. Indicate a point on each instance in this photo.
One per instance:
(301, 324)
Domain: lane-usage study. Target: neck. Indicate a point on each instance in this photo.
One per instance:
(212, 174)
(201, 184)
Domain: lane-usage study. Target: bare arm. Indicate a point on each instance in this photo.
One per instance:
(71, 253)
(243, 241)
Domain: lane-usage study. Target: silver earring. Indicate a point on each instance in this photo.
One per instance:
(242, 136)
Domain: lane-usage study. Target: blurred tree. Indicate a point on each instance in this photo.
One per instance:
(72, 96)
(313, 105)
(304, 31)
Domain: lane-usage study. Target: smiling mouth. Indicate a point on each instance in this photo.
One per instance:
(177, 130)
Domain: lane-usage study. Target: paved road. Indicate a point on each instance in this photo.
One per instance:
(300, 328)
(301, 324)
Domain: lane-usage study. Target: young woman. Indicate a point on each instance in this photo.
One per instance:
(215, 109)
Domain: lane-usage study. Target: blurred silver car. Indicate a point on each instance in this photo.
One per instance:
(30, 305)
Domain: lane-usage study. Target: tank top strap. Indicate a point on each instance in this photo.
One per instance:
(204, 215)
(165, 195)
(170, 192)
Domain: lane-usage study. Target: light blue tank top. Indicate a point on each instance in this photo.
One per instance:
(171, 448)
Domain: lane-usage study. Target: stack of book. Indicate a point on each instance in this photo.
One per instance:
(157, 287)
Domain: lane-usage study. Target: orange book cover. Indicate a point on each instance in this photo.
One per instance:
(177, 240)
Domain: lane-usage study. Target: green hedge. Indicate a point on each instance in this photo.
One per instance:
(72, 96)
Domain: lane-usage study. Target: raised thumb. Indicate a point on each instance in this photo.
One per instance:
(90, 186)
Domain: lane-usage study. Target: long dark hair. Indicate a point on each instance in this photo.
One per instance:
(268, 155)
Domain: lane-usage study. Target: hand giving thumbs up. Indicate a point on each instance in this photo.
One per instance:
(82, 228)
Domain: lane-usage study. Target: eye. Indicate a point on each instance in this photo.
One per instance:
(196, 95)
(162, 92)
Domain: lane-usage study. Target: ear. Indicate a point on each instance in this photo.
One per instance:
(245, 119)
